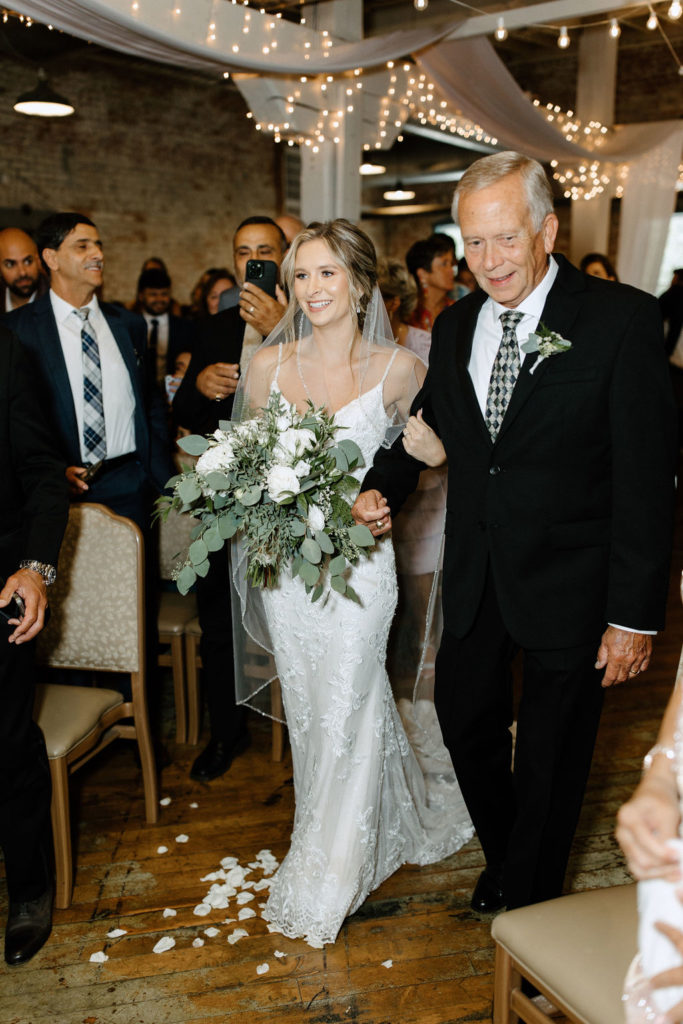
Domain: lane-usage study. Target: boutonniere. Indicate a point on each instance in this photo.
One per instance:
(546, 343)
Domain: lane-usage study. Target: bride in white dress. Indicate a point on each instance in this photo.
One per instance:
(364, 806)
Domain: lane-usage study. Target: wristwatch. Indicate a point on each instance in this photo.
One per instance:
(48, 572)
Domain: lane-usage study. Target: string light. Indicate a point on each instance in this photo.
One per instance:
(563, 39)
(501, 32)
(652, 21)
(420, 5)
(675, 10)
(614, 28)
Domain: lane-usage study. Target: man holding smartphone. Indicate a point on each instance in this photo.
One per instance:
(223, 344)
(32, 522)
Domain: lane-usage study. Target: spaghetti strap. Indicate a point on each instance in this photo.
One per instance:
(389, 364)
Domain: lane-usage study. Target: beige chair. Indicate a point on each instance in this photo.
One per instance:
(575, 950)
(175, 611)
(257, 664)
(97, 623)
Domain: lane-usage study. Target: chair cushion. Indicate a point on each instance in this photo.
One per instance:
(175, 611)
(67, 714)
(578, 946)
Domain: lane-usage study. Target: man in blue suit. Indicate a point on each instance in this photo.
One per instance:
(91, 369)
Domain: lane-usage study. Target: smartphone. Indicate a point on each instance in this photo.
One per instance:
(15, 609)
(264, 274)
(90, 471)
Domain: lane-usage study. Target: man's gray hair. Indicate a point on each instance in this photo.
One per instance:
(491, 169)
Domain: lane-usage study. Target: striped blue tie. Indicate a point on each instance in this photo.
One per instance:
(94, 432)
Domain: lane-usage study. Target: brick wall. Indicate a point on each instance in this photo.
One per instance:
(163, 160)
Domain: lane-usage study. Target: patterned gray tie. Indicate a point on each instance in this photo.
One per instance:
(504, 374)
(94, 432)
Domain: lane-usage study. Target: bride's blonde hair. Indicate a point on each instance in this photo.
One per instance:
(353, 250)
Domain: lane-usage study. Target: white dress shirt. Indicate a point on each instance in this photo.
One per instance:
(117, 390)
(486, 342)
(8, 300)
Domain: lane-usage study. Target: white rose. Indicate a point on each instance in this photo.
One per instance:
(302, 468)
(295, 442)
(218, 457)
(281, 482)
(316, 519)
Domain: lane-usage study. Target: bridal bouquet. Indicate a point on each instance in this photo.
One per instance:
(283, 480)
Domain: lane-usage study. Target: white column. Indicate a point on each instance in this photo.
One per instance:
(595, 92)
(330, 179)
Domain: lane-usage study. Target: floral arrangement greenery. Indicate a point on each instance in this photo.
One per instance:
(284, 481)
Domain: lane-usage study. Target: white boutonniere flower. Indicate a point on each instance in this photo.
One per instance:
(547, 343)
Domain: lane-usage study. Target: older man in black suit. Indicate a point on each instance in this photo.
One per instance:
(559, 521)
(32, 521)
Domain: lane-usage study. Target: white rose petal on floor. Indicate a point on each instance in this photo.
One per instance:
(197, 943)
(182, 838)
(162, 849)
(236, 935)
(202, 909)
(262, 969)
(212, 932)
(245, 913)
(116, 933)
(164, 944)
(165, 801)
(98, 958)
(169, 912)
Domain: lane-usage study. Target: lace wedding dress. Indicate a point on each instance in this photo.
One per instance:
(363, 804)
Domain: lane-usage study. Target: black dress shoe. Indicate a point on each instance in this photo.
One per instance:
(488, 892)
(217, 756)
(28, 928)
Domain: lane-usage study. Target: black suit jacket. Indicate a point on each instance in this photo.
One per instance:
(37, 329)
(180, 339)
(218, 339)
(35, 502)
(572, 507)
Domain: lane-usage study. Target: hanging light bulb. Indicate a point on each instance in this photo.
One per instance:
(675, 10)
(420, 5)
(501, 32)
(614, 29)
(652, 22)
(563, 39)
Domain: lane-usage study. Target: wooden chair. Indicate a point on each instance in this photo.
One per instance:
(175, 612)
(575, 950)
(257, 663)
(97, 623)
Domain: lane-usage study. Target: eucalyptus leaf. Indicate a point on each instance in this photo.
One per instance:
(218, 481)
(202, 569)
(317, 593)
(227, 525)
(338, 583)
(213, 539)
(189, 490)
(297, 528)
(340, 458)
(361, 535)
(309, 573)
(352, 451)
(324, 541)
(350, 592)
(198, 552)
(251, 496)
(221, 500)
(196, 530)
(310, 549)
(186, 579)
(338, 565)
(296, 564)
(194, 444)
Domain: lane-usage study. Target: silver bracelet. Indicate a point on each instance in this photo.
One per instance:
(668, 752)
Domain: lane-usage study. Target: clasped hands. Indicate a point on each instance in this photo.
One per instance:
(31, 588)
(219, 380)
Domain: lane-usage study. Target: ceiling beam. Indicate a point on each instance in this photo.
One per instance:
(556, 12)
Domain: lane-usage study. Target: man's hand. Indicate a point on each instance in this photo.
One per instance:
(420, 441)
(259, 309)
(219, 380)
(77, 487)
(370, 509)
(623, 655)
(30, 586)
(645, 823)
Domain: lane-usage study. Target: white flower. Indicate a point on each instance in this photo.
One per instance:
(282, 482)
(295, 442)
(218, 457)
(316, 519)
(302, 468)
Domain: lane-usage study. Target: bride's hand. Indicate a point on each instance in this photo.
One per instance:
(420, 441)
(371, 510)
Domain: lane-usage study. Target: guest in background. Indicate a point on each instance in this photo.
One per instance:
(399, 294)
(216, 282)
(290, 226)
(225, 343)
(32, 522)
(21, 276)
(465, 281)
(431, 262)
(155, 263)
(167, 335)
(598, 265)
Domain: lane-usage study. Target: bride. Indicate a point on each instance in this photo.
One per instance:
(363, 804)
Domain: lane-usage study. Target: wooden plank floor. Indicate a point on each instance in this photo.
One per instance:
(441, 953)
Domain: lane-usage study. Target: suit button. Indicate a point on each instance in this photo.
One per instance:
(495, 470)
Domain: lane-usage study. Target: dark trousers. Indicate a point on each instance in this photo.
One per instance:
(526, 818)
(25, 787)
(226, 718)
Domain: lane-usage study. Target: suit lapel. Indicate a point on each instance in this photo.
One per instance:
(559, 314)
(50, 352)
